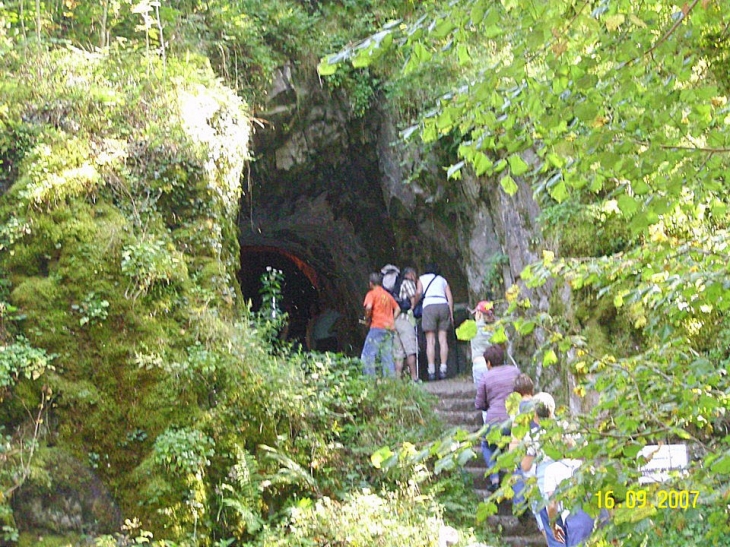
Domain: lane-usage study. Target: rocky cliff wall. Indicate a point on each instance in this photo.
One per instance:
(347, 195)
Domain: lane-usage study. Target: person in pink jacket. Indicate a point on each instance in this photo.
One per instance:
(492, 392)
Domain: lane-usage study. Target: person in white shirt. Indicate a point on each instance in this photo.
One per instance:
(438, 316)
(569, 528)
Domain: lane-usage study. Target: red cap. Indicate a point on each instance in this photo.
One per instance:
(485, 307)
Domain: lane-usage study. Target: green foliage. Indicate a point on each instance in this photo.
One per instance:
(583, 230)
(271, 284)
(183, 451)
(120, 248)
(74, 252)
(92, 309)
(359, 87)
(149, 263)
(240, 496)
(622, 111)
(21, 360)
(56, 171)
(401, 518)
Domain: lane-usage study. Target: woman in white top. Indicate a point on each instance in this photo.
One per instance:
(438, 316)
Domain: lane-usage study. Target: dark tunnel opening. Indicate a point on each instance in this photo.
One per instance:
(300, 291)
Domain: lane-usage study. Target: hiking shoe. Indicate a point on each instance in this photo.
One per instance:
(431, 376)
(442, 375)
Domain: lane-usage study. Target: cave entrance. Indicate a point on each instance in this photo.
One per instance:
(300, 291)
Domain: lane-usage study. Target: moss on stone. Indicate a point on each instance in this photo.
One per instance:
(162, 181)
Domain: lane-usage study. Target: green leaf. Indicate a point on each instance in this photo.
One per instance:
(499, 336)
(721, 466)
(627, 205)
(381, 456)
(525, 327)
(482, 163)
(454, 171)
(555, 160)
(640, 188)
(361, 60)
(517, 165)
(613, 22)
(508, 185)
(486, 509)
(324, 68)
(477, 13)
(443, 464)
(443, 28)
(467, 330)
(559, 191)
(586, 111)
(462, 53)
(420, 53)
(466, 456)
(549, 358)
(639, 223)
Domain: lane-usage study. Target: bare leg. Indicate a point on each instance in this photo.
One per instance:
(398, 368)
(411, 360)
(431, 351)
(443, 347)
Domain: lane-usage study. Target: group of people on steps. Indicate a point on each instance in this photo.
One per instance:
(495, 381)
(391, 307)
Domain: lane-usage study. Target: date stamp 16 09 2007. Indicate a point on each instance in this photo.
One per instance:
(644, 498)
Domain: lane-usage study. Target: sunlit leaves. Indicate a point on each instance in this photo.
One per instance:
(508, 184)
(517, 165)
(620, 104)
(627, 205)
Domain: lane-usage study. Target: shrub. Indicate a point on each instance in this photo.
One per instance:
(20, 359)
(403, 518)
(150, 262)
(183, 451)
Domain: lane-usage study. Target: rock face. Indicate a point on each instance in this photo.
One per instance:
(72, 499)
(346, 195)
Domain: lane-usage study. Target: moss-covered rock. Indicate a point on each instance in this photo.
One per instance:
(120, 226)
(64, 496)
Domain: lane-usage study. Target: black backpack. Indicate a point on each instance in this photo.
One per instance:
(393, 287)
(404, 303)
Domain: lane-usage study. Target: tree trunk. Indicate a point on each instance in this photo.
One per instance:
(162, 37)
(38, 21)
(105, 12)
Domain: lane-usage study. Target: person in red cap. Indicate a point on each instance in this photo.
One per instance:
(484, 317)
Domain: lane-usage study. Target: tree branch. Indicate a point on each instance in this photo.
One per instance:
(695, 148)
(685, 14)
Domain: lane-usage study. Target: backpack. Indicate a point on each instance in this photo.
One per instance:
(418, 308)
(392, 281)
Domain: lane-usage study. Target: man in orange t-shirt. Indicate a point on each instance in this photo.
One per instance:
(381, 309)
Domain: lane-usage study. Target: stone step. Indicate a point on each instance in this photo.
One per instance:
(453, 388)
(478, 474)
(511, 525)
(524, 541)
(504, 507)
(462, 404)
(470, 421)
(456, 407)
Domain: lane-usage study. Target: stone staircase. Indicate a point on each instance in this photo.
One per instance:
(456, 407)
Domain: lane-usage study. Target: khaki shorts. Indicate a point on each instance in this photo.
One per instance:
(405, 342)
(436, 317)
